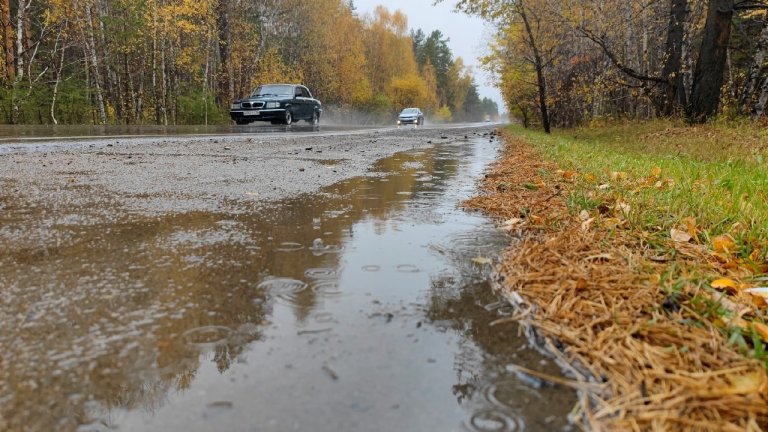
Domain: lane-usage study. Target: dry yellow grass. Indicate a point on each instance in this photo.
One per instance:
(593, 292)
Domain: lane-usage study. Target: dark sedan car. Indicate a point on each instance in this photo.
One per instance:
(278, 104)
(410, 116)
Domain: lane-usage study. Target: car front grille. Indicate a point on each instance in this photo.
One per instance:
(253, 104)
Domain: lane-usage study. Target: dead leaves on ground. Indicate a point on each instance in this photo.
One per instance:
(590, 282)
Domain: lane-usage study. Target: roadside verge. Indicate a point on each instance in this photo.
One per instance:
(656, 327)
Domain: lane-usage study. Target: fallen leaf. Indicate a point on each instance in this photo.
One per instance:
(613, 222)
(752, 382)
(602, 256)
(587, 224)
(761, 329)
(590, 177)
(584, 215)
(690, 225)
(758, 291)
(655, 171)
(724, 243)
(569, 175)
(481, 260)
(604, 186)
(724, 283)
(619, 175)
(679, 236)
(510, 224)
(737, 322)
(623, 208)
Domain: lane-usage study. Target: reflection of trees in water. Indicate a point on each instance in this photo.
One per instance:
(141, 283)
(458, 305)
(465, 303)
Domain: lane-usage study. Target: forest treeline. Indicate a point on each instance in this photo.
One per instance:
(185, 61)
(571, 62)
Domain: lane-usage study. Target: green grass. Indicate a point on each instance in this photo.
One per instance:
(714, 173)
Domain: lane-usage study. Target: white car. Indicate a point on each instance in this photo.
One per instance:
(410, 116)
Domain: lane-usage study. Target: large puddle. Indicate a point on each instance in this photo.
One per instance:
(361, 308)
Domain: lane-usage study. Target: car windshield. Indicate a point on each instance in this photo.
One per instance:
(409, 111)
(273, 90)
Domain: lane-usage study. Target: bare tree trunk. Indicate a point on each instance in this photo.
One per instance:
(227, 79)
(20, 13)
(139, 105)
(7, 34)
(759, 108)
(155, 93)
(205, 78)
(164, 100)
(710, 68)
(539, 66)
(754, 69)
(55, 95)
(675, 97)
(90, 42)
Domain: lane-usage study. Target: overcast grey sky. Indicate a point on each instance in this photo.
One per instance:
(468, 35)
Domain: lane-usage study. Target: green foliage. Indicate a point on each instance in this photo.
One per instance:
(442, 115)
(194, 108)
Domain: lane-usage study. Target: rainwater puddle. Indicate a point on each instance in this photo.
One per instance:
(356, 309)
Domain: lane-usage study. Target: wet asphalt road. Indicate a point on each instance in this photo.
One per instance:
(229, 172)
(310, 281)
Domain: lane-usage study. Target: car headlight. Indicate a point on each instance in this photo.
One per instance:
(272, 105)
(236, 105)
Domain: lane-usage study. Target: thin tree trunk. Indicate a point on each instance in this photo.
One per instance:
(5, 18)
(55, 95)
(759, 108)
(539, 66)
(139, 104)
(155, 92)
(96, 73)
(164, 100)
(205, 78)
(754, 70)
(710, 68)
(675, 96)
(20, 12)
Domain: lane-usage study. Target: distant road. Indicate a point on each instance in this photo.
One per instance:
(17, 133)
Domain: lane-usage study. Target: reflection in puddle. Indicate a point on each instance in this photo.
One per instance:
(281, 286)
(289, 247)
(207, 336)
(357, 308)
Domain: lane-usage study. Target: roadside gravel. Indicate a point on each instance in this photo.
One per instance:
(178, 174)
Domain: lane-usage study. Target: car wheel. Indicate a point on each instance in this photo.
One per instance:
(315, 120)
(288, 118)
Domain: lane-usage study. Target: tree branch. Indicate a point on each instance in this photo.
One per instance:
(615, 60)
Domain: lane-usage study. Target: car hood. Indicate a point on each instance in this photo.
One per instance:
(264, 98)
